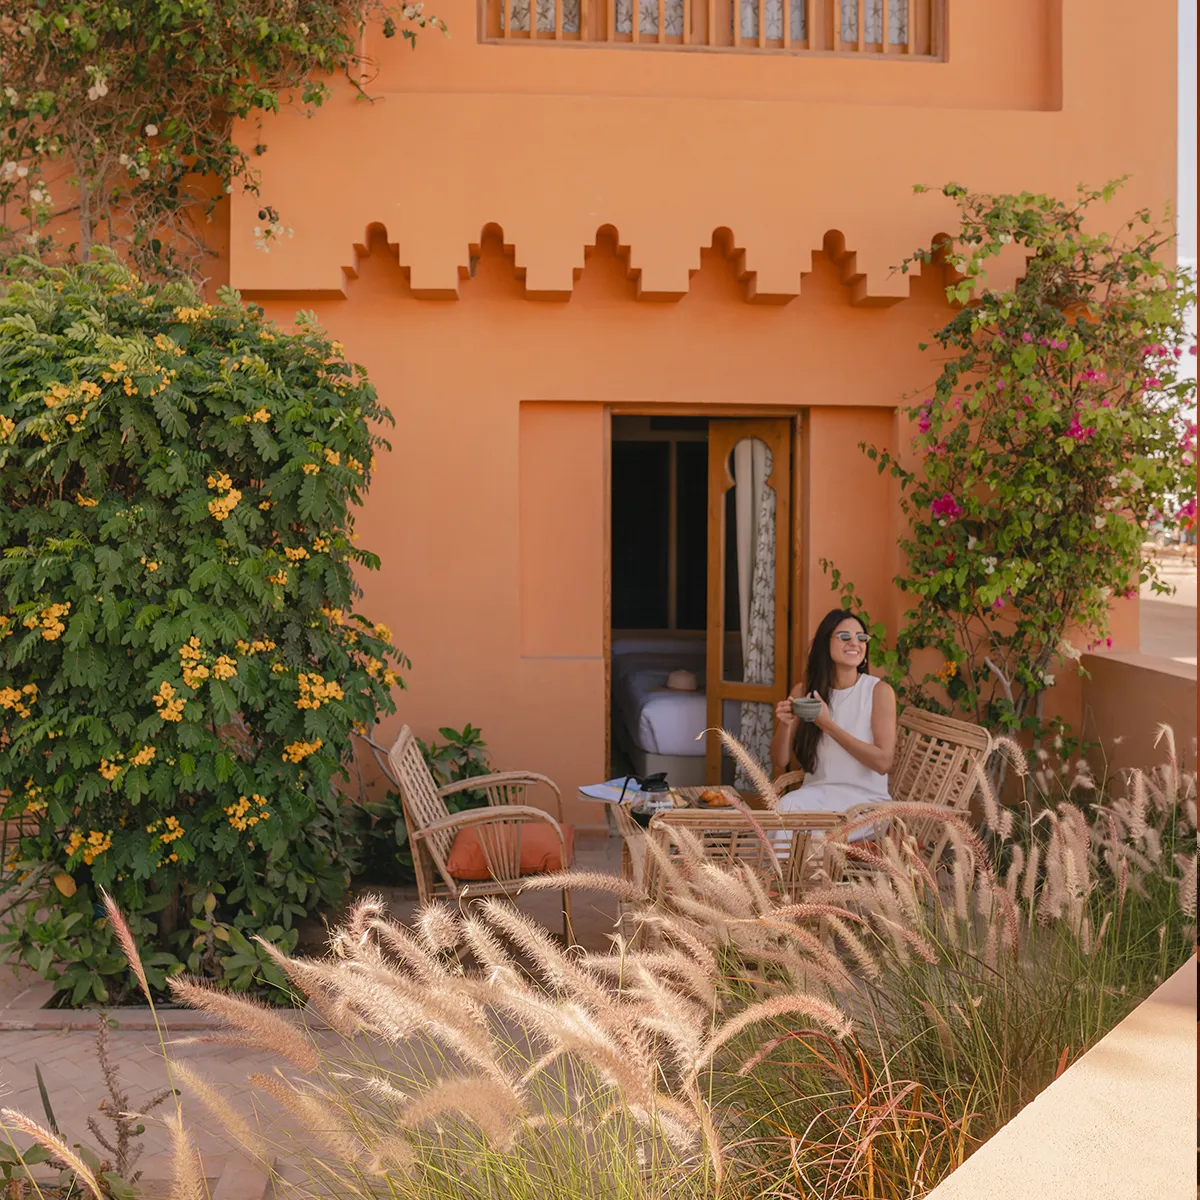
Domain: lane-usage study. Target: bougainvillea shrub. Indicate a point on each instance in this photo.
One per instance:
(181, 659)
(1061, 421)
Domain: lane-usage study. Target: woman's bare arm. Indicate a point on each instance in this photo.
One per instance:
(880, 753)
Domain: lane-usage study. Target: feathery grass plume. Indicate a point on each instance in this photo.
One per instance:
(223, 1109)
(596, 881)
(492, 1108)
(486, 947)
(187, 1173)
(319, 1116)
(395, 939)
(1012, 751)
(998, 819)
(761, 780)
(438, 926)
(1187, 884)
(56, 1146)
(267, 1028)
(127, 944)
(1140, 800)
(812, 1007)
(315, 980)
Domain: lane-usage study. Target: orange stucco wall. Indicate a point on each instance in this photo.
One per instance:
(485, 238)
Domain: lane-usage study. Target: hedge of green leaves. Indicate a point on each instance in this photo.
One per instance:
(181, 665)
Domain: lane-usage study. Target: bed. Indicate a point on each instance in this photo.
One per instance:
(657, 728)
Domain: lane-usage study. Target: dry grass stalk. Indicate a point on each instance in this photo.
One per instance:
(56, 1146)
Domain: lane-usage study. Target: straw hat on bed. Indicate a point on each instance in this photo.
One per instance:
(681, 681)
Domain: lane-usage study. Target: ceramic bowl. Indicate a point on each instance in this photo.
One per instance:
(806, 708)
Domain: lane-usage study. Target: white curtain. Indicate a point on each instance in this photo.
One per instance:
(648, 17)
(754, 505)
(543, 15)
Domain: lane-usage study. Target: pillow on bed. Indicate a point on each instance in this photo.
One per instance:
(540, 851)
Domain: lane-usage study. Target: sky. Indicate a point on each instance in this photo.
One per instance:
(1187, 129)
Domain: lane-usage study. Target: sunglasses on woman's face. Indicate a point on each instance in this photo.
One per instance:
(844, 635)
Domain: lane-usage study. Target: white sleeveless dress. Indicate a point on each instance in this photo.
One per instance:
(839, 780)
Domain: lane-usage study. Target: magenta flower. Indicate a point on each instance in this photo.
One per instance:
(1192, 351)
(946, 506)
(997, 603)
(1154, 382)
(1188, 509)
(1108, 642)
(1027, 337)
(1079, 432)
(924, 424)
(1178, 352)
(999, 385)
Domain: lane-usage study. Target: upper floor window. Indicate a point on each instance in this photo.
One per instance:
(907, 28)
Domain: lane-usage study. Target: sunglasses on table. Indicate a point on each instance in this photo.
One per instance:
(845, 635)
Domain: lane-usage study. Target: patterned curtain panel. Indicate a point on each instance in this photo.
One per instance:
(544, 10)
(873, 21)
(752, 467)
(648, 17)
(797, 19)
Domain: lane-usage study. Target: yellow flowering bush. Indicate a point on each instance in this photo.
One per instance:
(181, 661)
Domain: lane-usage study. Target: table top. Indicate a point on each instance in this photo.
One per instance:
(690, 797)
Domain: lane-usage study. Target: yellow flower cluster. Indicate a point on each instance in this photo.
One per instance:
(225, 667)
(237, 812)
(261, 415)
(278, 668)
(49, 618)
(383, 633)
(150, 566)
(333, 458)
(280, 578)
(354, 464)
(85, 501)
(266, 505)
(143, 756)
(19, 699)
(93, 845)
(56, 395)
(320, 545)
(947, 671)
(173, 831)
(298, 751)
(335, 615)
(315, 691)
(227, 501)
(168, 344)
(33, 798)
(194, 670)
(170, 706)
(390, 678)
(109, 770)
(255, 647)
(6, 426)
(295, 554)
(374, 666)
(311, 468)
(187, 314)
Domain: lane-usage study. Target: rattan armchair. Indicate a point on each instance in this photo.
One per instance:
(432, 827)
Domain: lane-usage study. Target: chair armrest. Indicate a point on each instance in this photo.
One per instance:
(788, 781)
(485, 816)
(500, 779)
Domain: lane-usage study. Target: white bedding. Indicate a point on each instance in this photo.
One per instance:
(651, 717)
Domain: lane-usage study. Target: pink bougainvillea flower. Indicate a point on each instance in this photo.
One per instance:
(1000, 385)
(946, 506)
(1178, 351)
(1188, 509)
(1108, 642)
(924, 424)
(1105, 403)
(1154, 382)
(1027, 336)
(1192, 351)
(997, 603)
(1128, 593)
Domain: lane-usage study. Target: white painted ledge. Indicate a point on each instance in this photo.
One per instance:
(1117, 1125)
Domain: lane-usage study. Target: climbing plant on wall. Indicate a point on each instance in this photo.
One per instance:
(1059, 423)
(117, 116)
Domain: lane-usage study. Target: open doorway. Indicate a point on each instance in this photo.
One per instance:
(700, 575)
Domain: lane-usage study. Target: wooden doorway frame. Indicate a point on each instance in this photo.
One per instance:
(797, 573)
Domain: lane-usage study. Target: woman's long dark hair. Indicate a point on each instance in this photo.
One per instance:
(818, 677)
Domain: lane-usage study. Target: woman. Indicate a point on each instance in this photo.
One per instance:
(848, 750)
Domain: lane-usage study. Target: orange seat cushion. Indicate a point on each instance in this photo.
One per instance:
(540, 851)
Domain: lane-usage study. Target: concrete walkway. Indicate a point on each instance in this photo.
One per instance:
(1168, 623)
(67, 1059)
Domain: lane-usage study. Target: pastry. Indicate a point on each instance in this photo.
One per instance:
(713, 799)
